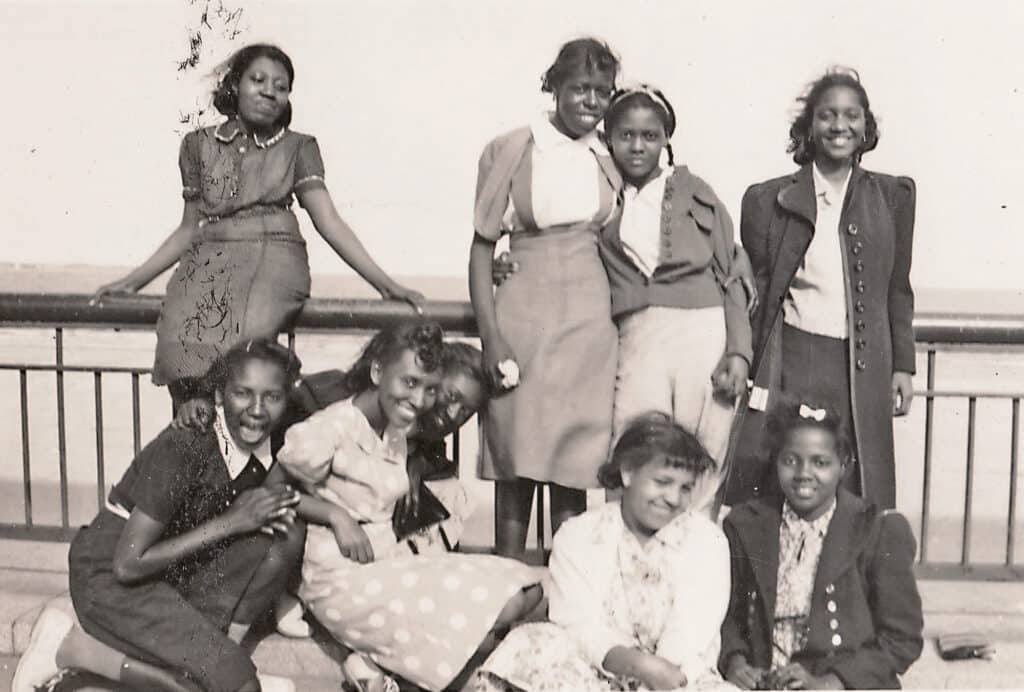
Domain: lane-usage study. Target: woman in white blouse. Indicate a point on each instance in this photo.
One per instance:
(551, 186)
(639, 586)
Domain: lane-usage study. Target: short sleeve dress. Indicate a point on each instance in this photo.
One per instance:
(555, 311)
(246, 273)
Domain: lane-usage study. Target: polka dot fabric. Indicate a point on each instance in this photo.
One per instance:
(421, 617)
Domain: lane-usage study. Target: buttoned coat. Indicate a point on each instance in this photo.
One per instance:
(865, 622)
(877, 227)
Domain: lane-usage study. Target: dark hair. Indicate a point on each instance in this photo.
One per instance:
(800, 143)
(647, 437)
(627, 100)
(466, 359)
(425, 339)
(792, 413)
(588, 54)
(225, 96)
(230, 363)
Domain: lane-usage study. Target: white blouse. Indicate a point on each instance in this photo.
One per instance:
(640, 227)
(816, 302)
(565, 183)
(669, 594)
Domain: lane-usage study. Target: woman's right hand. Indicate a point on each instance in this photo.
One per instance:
(502, 268)
(659, 674)
(352, 539)
(260, 507)
(120, 287)
(194, 414)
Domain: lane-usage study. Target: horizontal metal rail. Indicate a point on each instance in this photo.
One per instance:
(935, 332)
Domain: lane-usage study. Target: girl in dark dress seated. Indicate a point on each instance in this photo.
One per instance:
(194, 544)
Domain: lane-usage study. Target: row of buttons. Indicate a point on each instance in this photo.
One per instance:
(860, 287)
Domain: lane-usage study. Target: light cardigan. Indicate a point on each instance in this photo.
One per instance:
(695, 558)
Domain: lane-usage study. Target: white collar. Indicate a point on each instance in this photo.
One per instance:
(823, 189)
(547, 136)
(654, 183)
(235, 458)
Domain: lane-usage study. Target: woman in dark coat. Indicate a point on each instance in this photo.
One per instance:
(831, 249)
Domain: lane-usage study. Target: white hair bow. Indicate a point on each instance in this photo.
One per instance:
(817, 414)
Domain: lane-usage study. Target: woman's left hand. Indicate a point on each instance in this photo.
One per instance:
(396, 291)
(730, 376)
(902, 392)
(796, 677)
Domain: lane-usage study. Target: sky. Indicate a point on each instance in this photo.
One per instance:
(403, 95)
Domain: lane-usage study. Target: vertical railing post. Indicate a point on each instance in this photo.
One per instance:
(965, 555)
(1011, 514)
(540, 518)
(136, 417)
(62, 442)
(926, 484)
(26, 466)
(101, 482)
(457, 451)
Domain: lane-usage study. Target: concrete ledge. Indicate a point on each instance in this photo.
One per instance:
(995, 609)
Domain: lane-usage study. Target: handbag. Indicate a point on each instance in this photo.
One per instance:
(429, 512)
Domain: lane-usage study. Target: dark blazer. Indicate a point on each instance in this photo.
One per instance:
(865, 621)
(877, 225)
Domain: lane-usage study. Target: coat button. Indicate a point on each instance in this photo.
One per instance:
(852, 229)
(830, 589)
(860, 326)
(833, 623)
(831, 606)
(859, 306)
(241, 149)
(861, 343)
(857, 247)
(861, 287)
(861, 365)
(836, 640)
(858, 266)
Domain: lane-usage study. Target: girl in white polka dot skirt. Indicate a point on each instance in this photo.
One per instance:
(428, 618)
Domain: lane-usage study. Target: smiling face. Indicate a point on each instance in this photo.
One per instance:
(254, 400)
(838, 125)
(581, 100)
(263, 93)
(404, 389)
(636, 139)
(653, 495)
(459, 397)
(809, 469)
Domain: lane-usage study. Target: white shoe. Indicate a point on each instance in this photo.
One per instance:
(275, 683)
(366, 676)
(288, 613)
(39, 662)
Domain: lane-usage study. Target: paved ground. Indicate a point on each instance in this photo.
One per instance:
(995, 608)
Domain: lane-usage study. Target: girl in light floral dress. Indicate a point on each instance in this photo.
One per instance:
(639, 586)
(428, 618)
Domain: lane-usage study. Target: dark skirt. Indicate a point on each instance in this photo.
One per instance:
(243, 278)
(179, 621)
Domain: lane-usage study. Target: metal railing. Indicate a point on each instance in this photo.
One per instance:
(935, 332)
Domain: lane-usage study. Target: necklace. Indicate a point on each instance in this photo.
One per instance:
(268, 142)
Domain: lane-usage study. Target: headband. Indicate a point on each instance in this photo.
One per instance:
(652, 93)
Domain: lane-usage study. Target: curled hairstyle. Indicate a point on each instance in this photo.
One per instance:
(790, 413)
(587, 54)
(801, 145)
(650, 436)
(231, 363)
(467, 360)
(643, 96)
(225, 96)
(425, 339)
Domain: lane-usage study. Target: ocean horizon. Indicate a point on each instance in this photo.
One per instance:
(84, 278)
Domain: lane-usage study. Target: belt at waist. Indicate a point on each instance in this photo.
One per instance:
(281, 226)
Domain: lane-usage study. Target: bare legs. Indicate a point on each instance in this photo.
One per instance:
(513, 503)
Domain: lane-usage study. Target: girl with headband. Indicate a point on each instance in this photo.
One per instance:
(684, 334)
